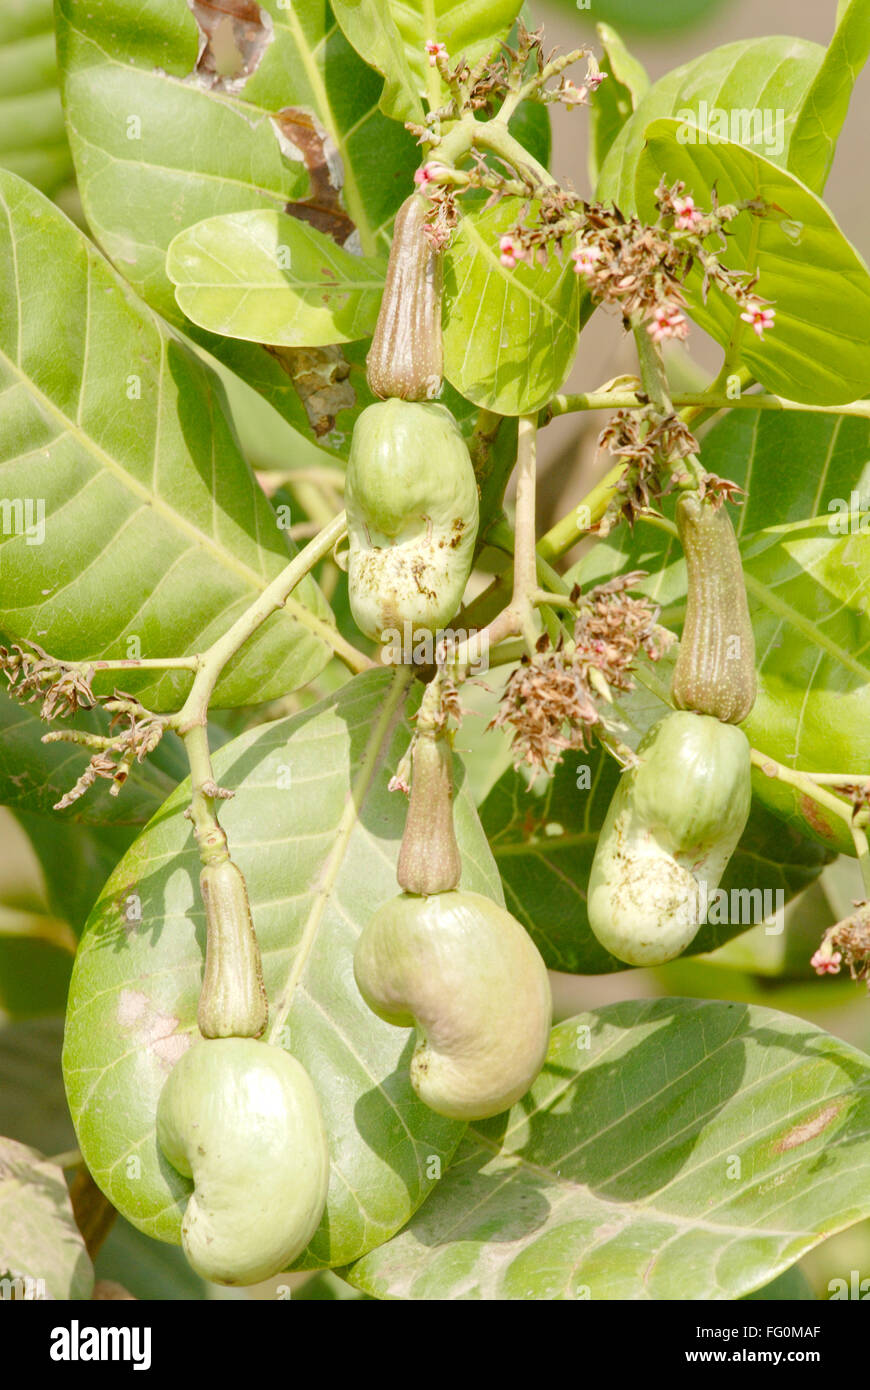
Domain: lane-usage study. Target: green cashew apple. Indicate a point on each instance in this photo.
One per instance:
(673, 824)
(469, 976)
(412, 516)
(242, 1120)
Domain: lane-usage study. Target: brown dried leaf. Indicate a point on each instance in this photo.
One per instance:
(233, 36)
(302, 137)
(320, 376)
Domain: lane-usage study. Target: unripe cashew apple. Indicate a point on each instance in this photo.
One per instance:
(470, 977)
(412, 515)
(242, 1119)
(673, 824)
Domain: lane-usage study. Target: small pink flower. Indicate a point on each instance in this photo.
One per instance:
(825, 964)
(572, 95)
(687, 215)
(667, 322)
(760, 315)
(585, 258)
(427, 173)
(511, 251)
(435, 51)
(594, 80)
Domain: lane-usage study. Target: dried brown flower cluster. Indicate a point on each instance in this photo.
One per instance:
(115, 753)
(653, 447)
(552, 699)
(33, 674)
(847, 942)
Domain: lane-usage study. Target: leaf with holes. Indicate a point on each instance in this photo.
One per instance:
(762, 1150)
(807, 568)
(161, 140)
(818, 351)
(544, 835)
(509, 335)
(42, 1253)
(33, 140)
(316, 832)
(270, 278)
(121, 459)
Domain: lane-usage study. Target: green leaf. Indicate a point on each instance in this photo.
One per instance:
(471, 29)
(509, 335)
(75, 859)
(33, 1108)
(33, 140)
(814, 138)
(117, 432)
(370, 26)
(270, 278)
(807, 579)
(544, 839)
(316, 832)
(750, 78)
(159, 147)
(39, 1240)
(34, 775)
(148, 1269)
(640, 16)
(819, 349)
(617, 98)
(671, 1149)
(791, 1286)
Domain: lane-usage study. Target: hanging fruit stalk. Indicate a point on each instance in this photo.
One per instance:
(405, 358)
(715, 670)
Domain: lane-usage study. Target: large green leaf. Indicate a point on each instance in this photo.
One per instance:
(39, 1240)
(820, 120)
(370, 26)
(316, 833)
(33, 1108)
(819, 349)
(391, 35)
(34, 775)
(153, 525)
(671, 1149)
(750, 76)
(807, 584)
(509, 335)
(158, 147)
(619, 96)
(270, 278)
(33, 140)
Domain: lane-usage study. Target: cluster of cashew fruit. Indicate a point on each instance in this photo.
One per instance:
(453, 964)
(678, 814)
(240, 1117)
